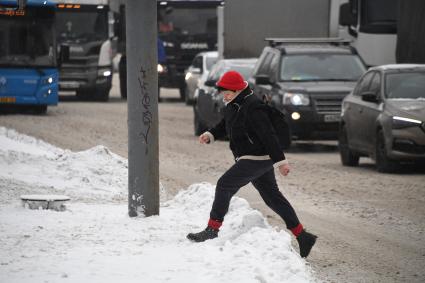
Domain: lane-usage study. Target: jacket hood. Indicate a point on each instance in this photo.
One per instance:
(409, 108)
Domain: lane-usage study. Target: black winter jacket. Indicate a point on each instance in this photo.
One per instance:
(248, 127)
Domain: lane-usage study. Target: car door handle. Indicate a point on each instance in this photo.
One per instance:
(360, 109)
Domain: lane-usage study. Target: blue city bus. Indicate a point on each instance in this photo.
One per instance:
(28, 60)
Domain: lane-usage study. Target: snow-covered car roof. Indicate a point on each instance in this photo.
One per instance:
(398, 67)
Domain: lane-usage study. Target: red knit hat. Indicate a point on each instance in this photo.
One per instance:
(232, 80)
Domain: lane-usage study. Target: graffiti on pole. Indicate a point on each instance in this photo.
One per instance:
(146, 108)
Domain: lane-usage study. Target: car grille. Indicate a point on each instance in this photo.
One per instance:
(328, 103)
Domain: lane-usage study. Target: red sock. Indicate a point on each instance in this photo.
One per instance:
(297, 230)
(215, 224)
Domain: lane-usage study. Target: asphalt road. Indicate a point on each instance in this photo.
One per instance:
(371, 226)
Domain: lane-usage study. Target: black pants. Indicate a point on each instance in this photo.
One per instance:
(261, 174)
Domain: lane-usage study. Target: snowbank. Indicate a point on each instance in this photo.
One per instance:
(96, 241)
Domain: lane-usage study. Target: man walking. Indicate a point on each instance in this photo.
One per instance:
(257, 152)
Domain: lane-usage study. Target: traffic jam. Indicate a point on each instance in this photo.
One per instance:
(346, 76)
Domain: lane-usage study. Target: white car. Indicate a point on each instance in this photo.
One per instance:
(197, 73)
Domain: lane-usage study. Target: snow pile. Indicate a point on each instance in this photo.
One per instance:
(91, 174)
(96, 241)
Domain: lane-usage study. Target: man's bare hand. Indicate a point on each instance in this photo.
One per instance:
(204, 138)
(284, 169)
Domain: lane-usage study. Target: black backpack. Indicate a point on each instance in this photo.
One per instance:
(281, 127)
(279, 124)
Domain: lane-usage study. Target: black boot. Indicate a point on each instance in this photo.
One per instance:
(207, 234)
(306, 241)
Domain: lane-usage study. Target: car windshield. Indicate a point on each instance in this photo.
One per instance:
(27, 40)
(82, 26)
(407, 85)
(210, 61)
(218, 70)
(321, 67)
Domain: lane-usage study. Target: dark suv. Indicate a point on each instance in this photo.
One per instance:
(307, 79)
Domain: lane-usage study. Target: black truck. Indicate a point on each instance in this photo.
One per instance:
(185, 28)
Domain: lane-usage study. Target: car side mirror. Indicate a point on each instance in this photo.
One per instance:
(370, 96)
(262, 80)
(210, 83)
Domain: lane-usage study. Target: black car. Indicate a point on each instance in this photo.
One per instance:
(384, 117)
(209, 105)
(307, 79)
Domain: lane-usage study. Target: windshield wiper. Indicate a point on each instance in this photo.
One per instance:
(340, 80)
(320, 80)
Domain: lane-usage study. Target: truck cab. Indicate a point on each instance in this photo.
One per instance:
(28, 55)
(185, 28)
(83, 26)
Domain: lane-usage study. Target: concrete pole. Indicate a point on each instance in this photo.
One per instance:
(142, 99)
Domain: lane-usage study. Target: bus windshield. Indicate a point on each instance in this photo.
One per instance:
(27, 39)
(82, 25)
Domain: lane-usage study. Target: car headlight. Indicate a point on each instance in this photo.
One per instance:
(160, 68)
(187, 76)
(402, 122)
(104, 72)
(168, 44)
(295, 99)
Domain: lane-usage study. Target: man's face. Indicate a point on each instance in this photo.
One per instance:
(228, 95)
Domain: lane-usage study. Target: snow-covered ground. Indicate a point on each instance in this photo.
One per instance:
(94, 240)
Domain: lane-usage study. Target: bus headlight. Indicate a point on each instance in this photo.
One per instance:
(49, 80)
(296, 99)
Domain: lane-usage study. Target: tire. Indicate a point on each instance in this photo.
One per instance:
(182, 91)
(102, 95)
(199, 127)
(159, 94)
(348, 157)
(122, 69)
(123, 89)
(383, 163)
(40, 109)
(83, 95)
(187, 100)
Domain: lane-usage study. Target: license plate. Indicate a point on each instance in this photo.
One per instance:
(332, 118)
(69, 84)
(7, 99)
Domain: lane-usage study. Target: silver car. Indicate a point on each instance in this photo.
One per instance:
(198, 71)
(384, 117)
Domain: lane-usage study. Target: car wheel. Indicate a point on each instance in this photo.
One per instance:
(383, 163)
(102, 95)
(40, 109)
(182, 91)
(186, 97)
(123, 76)
(83, 95)
(200, 127)
(348, 157)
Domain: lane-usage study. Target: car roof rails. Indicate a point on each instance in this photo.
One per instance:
(274, 41)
